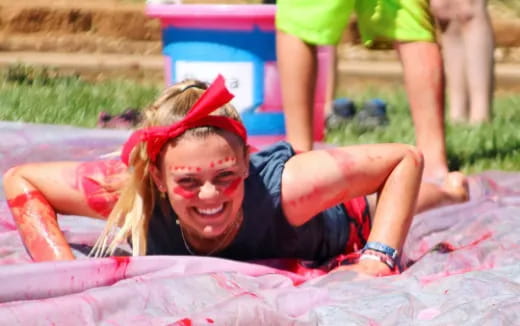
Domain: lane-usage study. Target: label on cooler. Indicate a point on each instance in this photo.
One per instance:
(239, 78)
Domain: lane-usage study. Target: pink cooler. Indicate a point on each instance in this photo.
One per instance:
(237, 41)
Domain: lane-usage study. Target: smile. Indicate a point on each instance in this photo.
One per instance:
(210, 211)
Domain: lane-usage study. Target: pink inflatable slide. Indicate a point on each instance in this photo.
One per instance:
(463, 266)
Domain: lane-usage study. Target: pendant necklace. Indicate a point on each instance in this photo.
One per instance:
(192, 252)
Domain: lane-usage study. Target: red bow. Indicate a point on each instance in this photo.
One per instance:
(213, 98)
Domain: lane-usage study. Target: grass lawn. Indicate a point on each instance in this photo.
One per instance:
(494, 146)
(39, 96)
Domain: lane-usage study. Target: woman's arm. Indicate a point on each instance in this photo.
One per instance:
(317, 180)
(37, 192)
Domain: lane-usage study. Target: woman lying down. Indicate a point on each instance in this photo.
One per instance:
(189, 184)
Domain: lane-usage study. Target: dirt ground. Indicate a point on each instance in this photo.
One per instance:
(122, 27)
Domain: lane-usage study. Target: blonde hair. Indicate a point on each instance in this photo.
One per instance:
(131, 214)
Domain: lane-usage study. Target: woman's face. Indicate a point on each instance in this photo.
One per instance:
(204, 179)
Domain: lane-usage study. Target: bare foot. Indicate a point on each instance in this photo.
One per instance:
(455, 186)
(452, 190)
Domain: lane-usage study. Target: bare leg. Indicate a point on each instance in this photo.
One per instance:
(297, 67)
(422, 66)
(455, 69)
(454, 189)
(331, 83)
(479, 45)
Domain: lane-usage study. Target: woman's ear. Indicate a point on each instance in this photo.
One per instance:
(157, 177)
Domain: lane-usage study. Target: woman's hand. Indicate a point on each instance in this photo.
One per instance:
(367, 267)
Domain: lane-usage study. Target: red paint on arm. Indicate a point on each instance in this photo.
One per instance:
(344, 161)
(38, 227)
(94, 178)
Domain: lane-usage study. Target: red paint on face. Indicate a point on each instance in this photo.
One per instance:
(233, 186)
(209, 320)
(186, 194)
(94, 179)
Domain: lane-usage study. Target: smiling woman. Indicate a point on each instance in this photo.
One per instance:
(189, 184)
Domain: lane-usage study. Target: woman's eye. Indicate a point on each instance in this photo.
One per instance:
(225, 178)
(188, 183)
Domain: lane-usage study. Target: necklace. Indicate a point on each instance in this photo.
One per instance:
(234, 227)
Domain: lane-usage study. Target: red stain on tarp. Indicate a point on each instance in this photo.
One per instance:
(121, 261)
(446, 247)
(183, 322)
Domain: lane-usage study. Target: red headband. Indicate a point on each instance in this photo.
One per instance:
(213, 98)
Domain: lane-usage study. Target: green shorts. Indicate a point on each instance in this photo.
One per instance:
(381, 22)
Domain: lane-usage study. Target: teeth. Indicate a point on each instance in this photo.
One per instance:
(210, 211)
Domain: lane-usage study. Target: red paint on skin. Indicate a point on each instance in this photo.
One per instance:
(186, 194)
(314, 195)
(229, 190)
(188, 168)
(343, 160)
(38, 227)
(209, 320)
(93, 178)
(212, 165)
(21, 200)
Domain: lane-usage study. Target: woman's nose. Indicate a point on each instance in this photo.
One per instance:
(208, 191)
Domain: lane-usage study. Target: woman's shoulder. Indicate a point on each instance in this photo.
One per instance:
(272, 155)
(265, 173)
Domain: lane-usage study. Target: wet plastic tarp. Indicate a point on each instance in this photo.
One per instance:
(464, 266)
